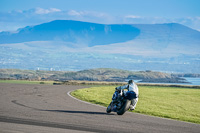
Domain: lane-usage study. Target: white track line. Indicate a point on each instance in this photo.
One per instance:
(68, 93)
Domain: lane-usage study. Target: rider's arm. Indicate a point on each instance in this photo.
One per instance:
(122, 87)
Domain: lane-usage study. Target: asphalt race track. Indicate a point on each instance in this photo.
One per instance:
(48, 108)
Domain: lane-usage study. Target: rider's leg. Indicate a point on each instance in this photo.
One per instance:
(133, 103)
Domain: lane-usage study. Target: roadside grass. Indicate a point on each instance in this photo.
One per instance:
(27, 82)
(168, 102)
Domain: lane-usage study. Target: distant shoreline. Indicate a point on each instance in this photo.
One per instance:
(96, 83)
(98, 75)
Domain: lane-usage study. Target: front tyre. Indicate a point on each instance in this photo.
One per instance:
(124, 108)
(108, 110)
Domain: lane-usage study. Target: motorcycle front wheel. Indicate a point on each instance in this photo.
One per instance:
(108, 110)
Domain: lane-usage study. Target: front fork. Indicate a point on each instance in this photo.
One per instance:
(117, 100)
(115, 105)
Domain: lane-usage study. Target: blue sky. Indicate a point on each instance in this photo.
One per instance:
(16, 14)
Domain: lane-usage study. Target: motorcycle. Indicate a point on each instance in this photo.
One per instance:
(120, 102)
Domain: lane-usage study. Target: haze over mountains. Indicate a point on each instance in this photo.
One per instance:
(75, 45)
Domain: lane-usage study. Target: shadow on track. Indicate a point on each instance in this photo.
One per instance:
(62, 111)
(79, 112)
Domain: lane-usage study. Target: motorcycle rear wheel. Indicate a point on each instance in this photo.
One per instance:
(124, 108)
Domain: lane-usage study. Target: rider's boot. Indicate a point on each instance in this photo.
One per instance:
(131, 107)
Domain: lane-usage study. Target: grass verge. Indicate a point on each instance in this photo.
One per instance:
(167, 102)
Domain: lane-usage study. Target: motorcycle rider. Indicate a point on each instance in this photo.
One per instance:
(131, 86)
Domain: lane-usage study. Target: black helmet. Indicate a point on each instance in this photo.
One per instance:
(130, 81)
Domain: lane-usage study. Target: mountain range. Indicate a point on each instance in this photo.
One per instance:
(76, 32)
(76, 45)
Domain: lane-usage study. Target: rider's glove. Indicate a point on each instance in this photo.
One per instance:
(117, 89)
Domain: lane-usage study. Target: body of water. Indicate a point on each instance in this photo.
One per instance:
(193, 81)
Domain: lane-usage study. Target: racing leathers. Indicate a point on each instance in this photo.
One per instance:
(131, 87)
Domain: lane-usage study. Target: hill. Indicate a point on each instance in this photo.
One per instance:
(74, 32)
(100, 74)
(159, 40)
(155, 37)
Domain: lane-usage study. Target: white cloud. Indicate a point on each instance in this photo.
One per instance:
(132, 16)
(39, 10)
(86, 13)
(74, 13)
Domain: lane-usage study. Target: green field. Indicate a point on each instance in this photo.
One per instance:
(168, 102)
